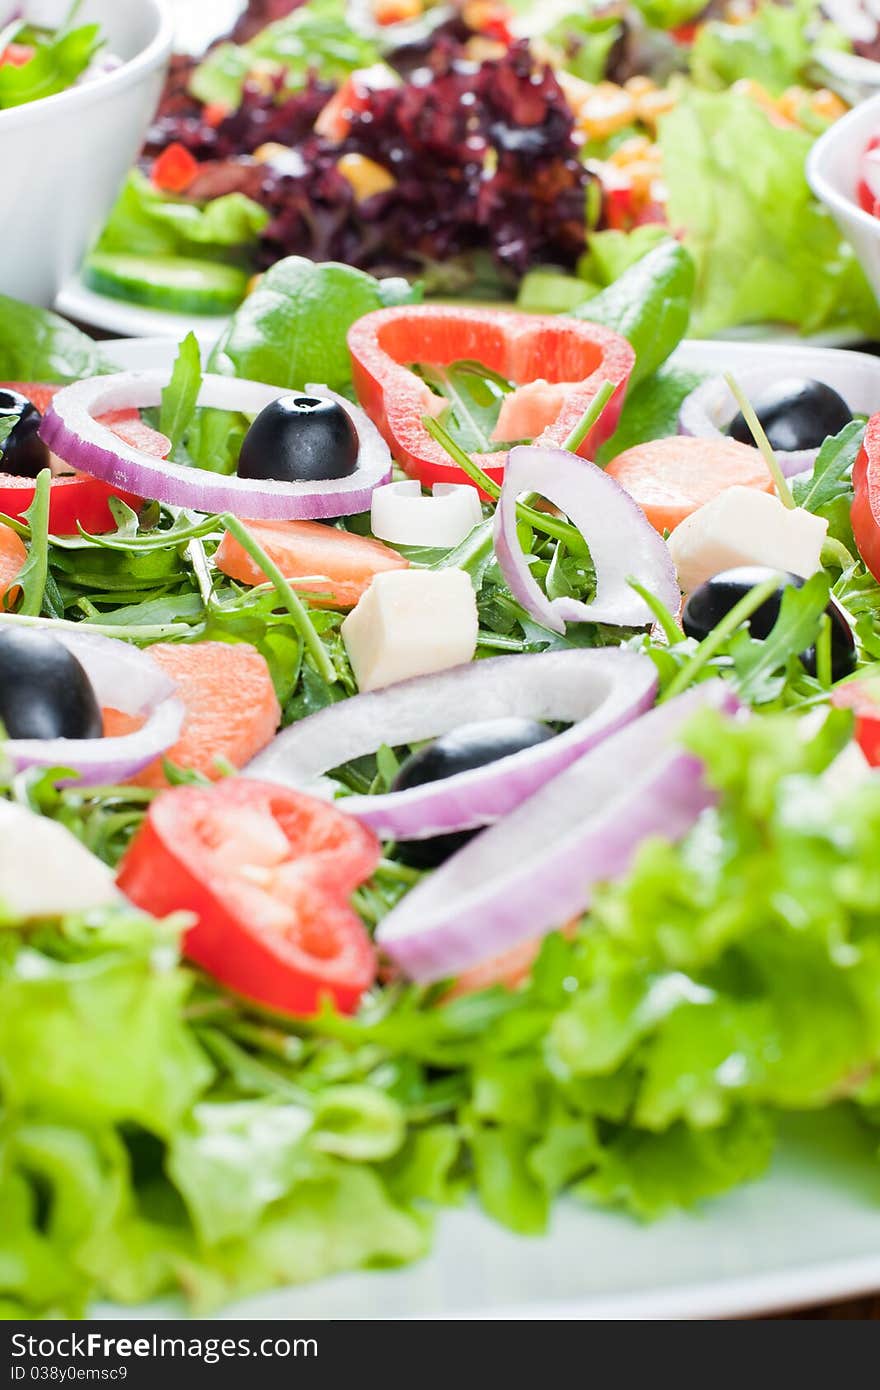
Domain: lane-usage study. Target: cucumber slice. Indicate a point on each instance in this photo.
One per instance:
(168, 282)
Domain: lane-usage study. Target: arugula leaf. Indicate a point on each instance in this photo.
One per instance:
(292, 329)
(475, 396)
(651, 410)
(649, 305)
(830, 477)
(180, 396)
(31, 578)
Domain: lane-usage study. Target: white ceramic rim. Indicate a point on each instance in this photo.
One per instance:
(845, 205)
(156, 52)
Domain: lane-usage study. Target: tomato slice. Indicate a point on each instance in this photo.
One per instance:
(863, 698)
(268, 873)
(535, 351)
(865, 513)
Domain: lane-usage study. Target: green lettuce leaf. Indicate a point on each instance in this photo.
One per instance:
(37, 345)
(147, 222)
(775, 48)
(765, 251)
(318, 38)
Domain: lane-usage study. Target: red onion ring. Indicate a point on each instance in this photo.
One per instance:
(710, 407)
(538, 867)
(622, 541)
(598, 690)
(75, 436)
(123, 678)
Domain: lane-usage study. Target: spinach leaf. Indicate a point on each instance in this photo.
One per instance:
(182, 392)
(36, 345)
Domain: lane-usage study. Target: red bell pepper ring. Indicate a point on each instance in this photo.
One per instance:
(865, 513)
(525, 348)
(863, 698)
(267, 873)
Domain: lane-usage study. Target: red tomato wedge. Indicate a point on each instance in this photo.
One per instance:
(268, 873)
(671, 478)
(334, 567)
(527, 349)
(232, 710)
(12, 556)
(865, 514)
(79, 500)
(863, 698)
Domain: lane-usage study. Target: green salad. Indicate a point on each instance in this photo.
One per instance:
(269, 1060)
(37, 62)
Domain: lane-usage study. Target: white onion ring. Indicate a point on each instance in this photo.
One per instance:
(622, 541)
(123, 678)
(74, 435)
(596, 690)
(710, 407)
(538, 867)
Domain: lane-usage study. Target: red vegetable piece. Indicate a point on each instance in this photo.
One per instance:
(863, 698)
(865, 514)
(174, 169)
(524, 348)
(78, 500)
(16, 55)
(268, 873)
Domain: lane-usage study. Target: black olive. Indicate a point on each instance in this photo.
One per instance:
(473, 745)
(22, 451)
(713, 601)
(44, 691)
(300, 439)
(796, 414)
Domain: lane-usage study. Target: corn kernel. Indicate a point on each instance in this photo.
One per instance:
(268, 153)
(396, 11)
(643, 176)
(828, 105)
(638, 86)
(637, 148)
(747, 87)
(480, 49)
(576, 91)
(608, 109)
(365, 175)
(653, 105)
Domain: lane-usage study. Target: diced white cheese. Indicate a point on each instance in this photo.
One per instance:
(411, 623)
(743, 526)
(401, 514)
(45, 871)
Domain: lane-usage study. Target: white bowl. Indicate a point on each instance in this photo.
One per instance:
(64, 157)
(833, 174)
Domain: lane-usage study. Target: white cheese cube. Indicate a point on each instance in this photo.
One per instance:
(743, 526)
(411, 623)
(45, 871)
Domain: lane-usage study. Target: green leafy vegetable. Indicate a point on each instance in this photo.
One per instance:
(317, 38)
(764, 249)
(147, 222)
(291, 331)
(775, 48)
(36, 345)
(649, 305)
(59, 58)
(180, 396)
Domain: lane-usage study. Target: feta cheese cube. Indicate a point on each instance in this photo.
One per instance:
(411, 623)
(743, 526)
(45, 871)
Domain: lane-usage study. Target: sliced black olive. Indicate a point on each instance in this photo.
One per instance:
(44, 691)
(713, 601)
(22, 451)
(300, 439)
(797, 413)
(473, 745)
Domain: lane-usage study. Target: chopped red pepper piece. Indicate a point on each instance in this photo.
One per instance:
(863, 698)
(16, 55)
(865, 514)
(560, 364)
(267, 873)
(174, 169)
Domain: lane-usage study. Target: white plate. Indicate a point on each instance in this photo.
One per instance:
(807, 1233)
